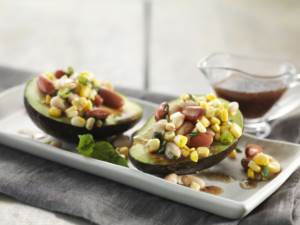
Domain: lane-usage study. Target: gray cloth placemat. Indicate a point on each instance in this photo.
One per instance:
(58, 188)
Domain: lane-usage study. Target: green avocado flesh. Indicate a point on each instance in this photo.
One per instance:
(156, 163)
(117, 122)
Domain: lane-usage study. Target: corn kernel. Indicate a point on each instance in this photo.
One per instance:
(200, 127)
(223, 115)
(78, 121)
(210, 112)
(203, 105)
(233, 108)
(203, 152)
(217, 136)
(236, 130)
(99, 123)
(123, 151)
(215, 120)
(216, 128)
(88, 106)
(250, 173)
(47, 99)
(205, 122)
(232, 154)
(274, 167)
(195, 186)
(169, 135)
(84, 91)
(54, 111)
(211, 97)
(254, 166)
(180, 141)
(50, 76)
(170, 127)
(194, 156)
(71, 112)
(90, 123)
(152, 145)
(261, 159)
(185, 97)
(185, 153)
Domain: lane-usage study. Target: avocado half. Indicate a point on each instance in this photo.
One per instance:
(158, 164)
(116, 123)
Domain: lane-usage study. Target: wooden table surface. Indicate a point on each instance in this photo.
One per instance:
(108, 38)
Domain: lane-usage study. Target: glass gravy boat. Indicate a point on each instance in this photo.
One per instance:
(256, 84)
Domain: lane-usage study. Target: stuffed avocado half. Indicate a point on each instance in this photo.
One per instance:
(66, 104)
(187, 135)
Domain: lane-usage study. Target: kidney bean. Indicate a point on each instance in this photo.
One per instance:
(252, 150)
(193, 113)
(186, 128)
(45, 85)
(162, 111)
(111, 98)
(200, 140)
(98, 100)
(59, 73)
(98, 113)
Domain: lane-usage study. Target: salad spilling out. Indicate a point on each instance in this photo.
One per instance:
(65, 104)
(187, 135)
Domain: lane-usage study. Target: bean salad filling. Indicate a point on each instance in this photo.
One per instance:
(187, 129)
(83, 99)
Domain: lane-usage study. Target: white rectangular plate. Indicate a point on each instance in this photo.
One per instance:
(235, 202)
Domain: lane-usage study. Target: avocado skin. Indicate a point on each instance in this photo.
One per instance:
(69, 133)
(183, 167)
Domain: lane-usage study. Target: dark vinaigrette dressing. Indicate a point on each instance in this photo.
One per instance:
(255, 97)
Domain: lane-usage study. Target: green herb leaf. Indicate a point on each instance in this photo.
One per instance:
(238, 150)
(104, 151)
(86, 145)
(194, 133)
(265, 171)
(101, 150)
(192, 97)
(162, 147)
(64, 93)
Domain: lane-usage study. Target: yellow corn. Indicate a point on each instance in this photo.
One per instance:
(203, 104)
(211, 97)
(261, 159)
(195, 186)
(54, 111)
(84, 91)
(50, 76)
(236, 130)
(180, 141)
(80, 103)
(47, 99)
(123, 151)
(200, 127)
(205, 122)
(194, 156)
(216, 128)
(254, 166)
(185, 97)
(203, 152)
(250, 173)
(215, 120)
(233, 154)
(223, 115)
(88, 106)
(169, 135)
(274, 167)
(71, 112)
(152, 145)
(185, 153)
(78, 121)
